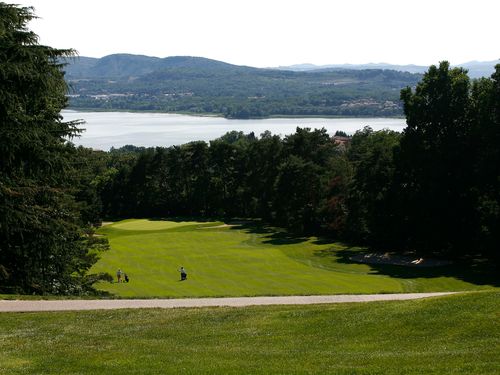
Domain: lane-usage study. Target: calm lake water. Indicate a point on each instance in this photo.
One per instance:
(115, 129)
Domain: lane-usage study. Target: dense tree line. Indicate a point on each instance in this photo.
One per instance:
(235, 175)
(305, 181)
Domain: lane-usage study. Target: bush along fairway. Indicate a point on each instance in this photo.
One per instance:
(246, 260)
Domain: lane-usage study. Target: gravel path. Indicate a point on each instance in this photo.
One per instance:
(68, 305)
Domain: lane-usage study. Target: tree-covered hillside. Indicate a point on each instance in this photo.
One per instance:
(199, 85)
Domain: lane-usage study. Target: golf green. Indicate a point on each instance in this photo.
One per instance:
(242, 260)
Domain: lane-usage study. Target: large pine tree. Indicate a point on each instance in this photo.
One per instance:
(44, 247)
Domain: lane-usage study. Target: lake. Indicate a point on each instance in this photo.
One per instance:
(115, 129)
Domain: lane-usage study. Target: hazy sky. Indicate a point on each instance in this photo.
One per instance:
(267, 33)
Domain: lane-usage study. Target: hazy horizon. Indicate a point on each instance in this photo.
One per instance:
(267, 33)
(295, 64)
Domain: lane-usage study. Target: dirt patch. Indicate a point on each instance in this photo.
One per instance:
(398, 260)
(106, 223)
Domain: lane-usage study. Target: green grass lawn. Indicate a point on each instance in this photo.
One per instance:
(248, 260)
(457, 334)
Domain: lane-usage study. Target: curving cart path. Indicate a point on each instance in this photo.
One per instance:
(108, 304)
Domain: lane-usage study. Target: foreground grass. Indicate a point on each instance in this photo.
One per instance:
(248, 261)
(457, 334)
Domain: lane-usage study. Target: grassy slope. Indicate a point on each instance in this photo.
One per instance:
(245, 261)
(448, 335)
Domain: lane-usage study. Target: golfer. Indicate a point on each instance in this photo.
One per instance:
(183, 273)
(119, 275)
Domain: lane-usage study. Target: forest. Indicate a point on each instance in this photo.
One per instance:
(433, 189)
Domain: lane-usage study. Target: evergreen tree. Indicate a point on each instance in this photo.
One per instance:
(44, 247)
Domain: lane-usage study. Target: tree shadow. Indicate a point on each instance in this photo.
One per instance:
(284, 238)
(325, 241)
(475, 271)
(271, 235)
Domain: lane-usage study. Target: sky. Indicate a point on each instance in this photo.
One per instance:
(269, 33)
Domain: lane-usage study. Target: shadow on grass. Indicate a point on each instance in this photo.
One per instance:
(325, 241)
(270, 235)
(475, 271)
(283, 238)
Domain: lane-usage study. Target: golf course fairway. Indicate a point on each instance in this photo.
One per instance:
(244, 260)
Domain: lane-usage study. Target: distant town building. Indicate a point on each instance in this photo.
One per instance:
(341, 142)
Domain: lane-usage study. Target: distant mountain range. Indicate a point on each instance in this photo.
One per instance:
(199, 85)
(476, 69)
